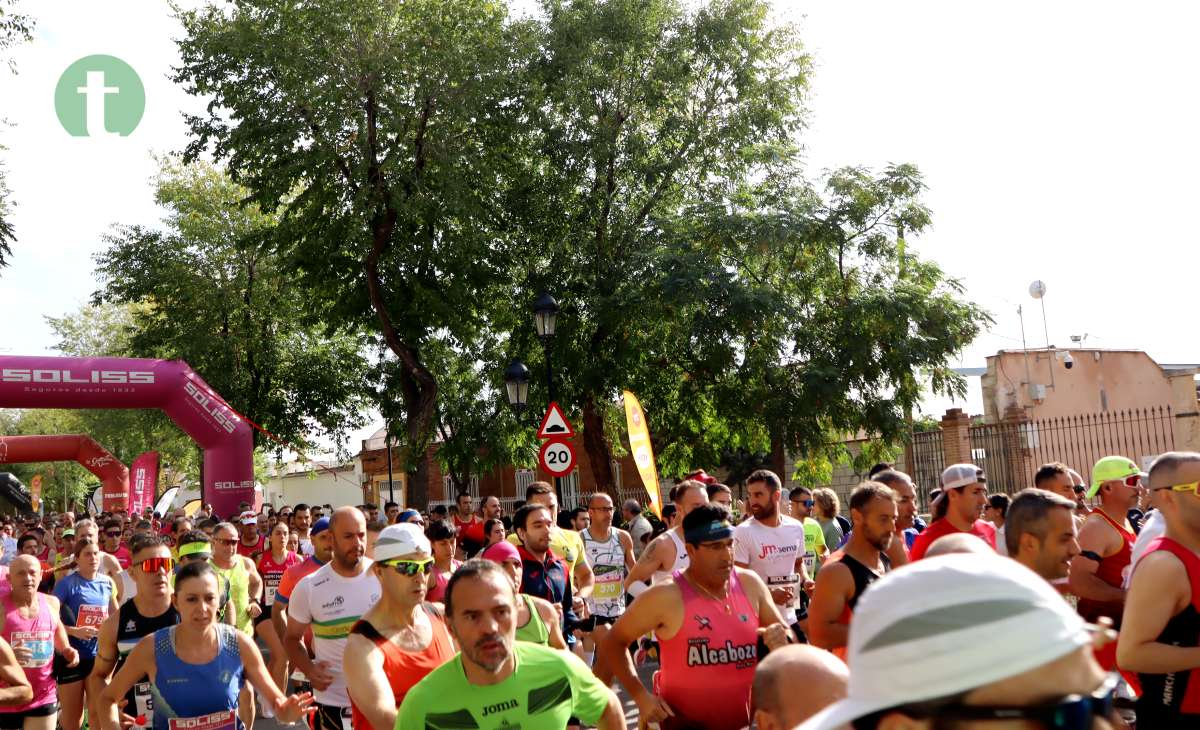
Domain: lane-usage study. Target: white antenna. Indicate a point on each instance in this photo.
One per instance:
(1037, 290)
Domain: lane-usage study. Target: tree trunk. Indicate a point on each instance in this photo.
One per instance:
(779, 458)
(597, 449)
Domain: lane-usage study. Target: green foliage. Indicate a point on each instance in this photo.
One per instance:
(391, 123)
(207, 289)
(14, 28)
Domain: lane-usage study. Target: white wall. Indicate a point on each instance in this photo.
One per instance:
(322, 487)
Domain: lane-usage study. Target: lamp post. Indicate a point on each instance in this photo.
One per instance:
(545, 313)
(387, 444)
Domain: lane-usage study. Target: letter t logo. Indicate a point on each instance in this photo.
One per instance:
(94, 92)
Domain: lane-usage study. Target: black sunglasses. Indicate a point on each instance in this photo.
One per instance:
(1073, 712)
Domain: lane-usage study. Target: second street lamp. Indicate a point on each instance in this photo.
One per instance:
(516, 384)
(545, 314)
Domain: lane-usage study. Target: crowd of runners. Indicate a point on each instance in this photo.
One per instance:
(1067, 605)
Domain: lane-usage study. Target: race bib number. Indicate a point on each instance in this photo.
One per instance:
(271, 587)
(39, 643)
(224, 720)
(143, 703)
(607, 587)
(810, 563)
(91, 615)
(785, 581)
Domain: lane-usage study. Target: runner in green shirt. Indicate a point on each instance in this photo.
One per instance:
(495, 682)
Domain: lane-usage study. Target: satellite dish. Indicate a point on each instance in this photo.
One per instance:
(1037, 289)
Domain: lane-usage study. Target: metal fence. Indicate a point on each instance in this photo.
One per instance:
(929, 459)
(508, 505)
(1011, 453)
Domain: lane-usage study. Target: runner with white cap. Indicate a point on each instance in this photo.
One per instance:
(957, 509)
(402, 638)
(251, 542)
(977, 637)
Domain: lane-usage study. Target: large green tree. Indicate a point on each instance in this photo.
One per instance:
(383, 129)
(211, 291)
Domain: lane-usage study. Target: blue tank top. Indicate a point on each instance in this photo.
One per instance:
(197, 696)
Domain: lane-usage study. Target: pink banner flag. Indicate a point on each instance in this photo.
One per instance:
(143, 482)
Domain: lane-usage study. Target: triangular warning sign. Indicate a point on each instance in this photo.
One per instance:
(555, 424)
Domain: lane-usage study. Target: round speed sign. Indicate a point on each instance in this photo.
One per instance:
(557, 457)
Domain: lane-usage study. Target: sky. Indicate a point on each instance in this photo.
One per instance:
(1057, 140)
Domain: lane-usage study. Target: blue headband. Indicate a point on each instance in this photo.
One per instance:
(711, 532)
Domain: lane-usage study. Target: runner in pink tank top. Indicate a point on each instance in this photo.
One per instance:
(713, 655)
(35, 638)
(708, 619)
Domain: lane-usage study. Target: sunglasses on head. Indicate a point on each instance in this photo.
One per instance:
(1073, 712)
(157, 565)
(409, 567)
(1193, 487)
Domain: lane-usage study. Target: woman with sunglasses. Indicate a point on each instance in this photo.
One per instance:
(86, 598)
(402, 638)
(147, 611)
(198, 667)
(272, 564)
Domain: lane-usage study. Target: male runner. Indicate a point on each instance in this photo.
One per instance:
(322, 543)
(402, 638)
(566, 544)
(666, 553)
(860, 562)
(1160, 631)
(113, 532)
(148, 611)
(708, 620)
(495, 682)
(329, 602)
(1039, 530)
(252, 542)
(906, 513)
(609, 551)
(302, 522)
(957, 509)
(468, 524)
(772, 545)
(1106, 540)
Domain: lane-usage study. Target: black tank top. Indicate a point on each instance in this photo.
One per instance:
(863, 576)
(131, 627)
(1170, 701)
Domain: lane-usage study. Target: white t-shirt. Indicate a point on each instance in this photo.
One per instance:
(1153, 526)
(331, 603)
(772, 552)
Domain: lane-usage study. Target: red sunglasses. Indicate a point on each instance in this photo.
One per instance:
(1133, 481)
(157, 565)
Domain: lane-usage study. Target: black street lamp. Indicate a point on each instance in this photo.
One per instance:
(545, 312)
(516, 383)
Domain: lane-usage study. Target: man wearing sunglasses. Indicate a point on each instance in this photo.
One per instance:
(330, 601)
(402, 638)
(1160, 634)
(1106, 540)
(814, 536)
(1028, 664)
(148, 611)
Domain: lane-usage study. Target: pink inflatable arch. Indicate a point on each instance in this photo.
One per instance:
(113, 475)
(170, 385)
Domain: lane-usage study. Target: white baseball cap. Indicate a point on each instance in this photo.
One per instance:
(399, 540)
(249, 518)
(947, 625)
(961, 475)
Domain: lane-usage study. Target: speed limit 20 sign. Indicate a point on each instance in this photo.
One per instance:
(557, 457)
